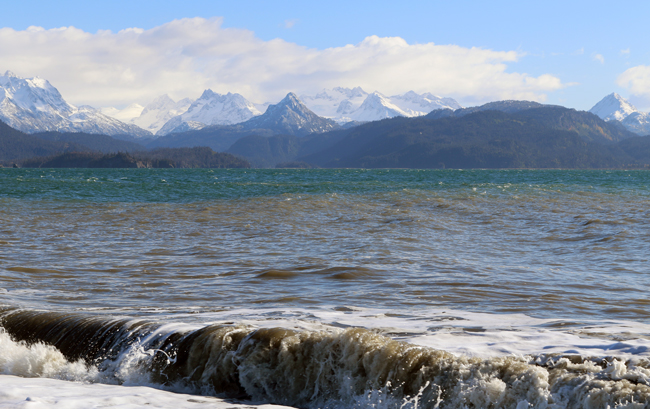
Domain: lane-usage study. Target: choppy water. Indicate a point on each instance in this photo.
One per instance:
(479, 263)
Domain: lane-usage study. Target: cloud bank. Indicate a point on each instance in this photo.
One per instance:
(184, 57)
(637, 81)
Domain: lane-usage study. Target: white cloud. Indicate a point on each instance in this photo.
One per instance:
(636, 80)
(626, 51)
(184, 57)
(599, 58)
(290, 23)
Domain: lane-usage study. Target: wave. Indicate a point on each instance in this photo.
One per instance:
(347, 368)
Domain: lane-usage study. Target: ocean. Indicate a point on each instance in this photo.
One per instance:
(270, 288)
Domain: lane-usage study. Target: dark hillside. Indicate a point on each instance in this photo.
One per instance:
(16, 145)
(217, 137)
(95, 142)
(484, 139)
(199, 157)
(589, 126)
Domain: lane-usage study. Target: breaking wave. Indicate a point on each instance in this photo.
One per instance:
(350, 368)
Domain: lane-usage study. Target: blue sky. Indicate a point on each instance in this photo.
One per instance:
(568, 53)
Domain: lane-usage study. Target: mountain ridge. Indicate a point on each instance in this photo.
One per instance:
(34, 105)
(616, 109)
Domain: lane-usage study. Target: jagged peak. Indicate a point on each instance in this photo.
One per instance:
(376, 96)
(613, 106)
(351, 92)
(10, 74)
(290, 100)
(207, 94)
(291, 96)
(162, 99)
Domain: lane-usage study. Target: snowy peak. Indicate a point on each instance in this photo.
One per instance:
(162, 103)
(34, 95)
(335, 103)
(34, 105)
(159, 111)
(638, 122)
(291, 116)
(355, 92)
(125, 115)
(613, 106)
(345, 104)
(417, 105)
(375, 107)
(616, 108)
(291, 102)
(212, 109)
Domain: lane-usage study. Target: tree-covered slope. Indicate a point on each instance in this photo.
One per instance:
(484, 139)
(16, 145)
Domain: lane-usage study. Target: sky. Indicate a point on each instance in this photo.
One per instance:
(113, 53)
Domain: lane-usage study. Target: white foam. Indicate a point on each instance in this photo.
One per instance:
(460, 332)
(42, 393)
(38, 360)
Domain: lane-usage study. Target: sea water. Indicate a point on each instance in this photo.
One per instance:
(324, 288)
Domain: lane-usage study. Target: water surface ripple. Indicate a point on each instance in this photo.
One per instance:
(570, 244)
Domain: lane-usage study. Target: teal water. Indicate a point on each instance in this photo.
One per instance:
(196, 185)
(549, 244)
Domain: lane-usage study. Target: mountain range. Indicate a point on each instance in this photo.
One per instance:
(498, 134)
(34, 105)
(502, 134)
(354, 104)
(347, 127)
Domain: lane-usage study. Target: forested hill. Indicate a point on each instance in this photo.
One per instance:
(74, 150)
(197, 157)
(16, 145)
(515, 135)
(533, 137)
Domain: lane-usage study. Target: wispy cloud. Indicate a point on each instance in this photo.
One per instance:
(599, 58)
(625, 52)
(636, 80)
(579, 51)
(184, 57)
(290, 23)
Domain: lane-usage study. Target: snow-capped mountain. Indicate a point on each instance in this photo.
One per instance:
(616, 108)
(418, 105)
(212, 109)
(290, 116)
(613, 106)
(347, 104)
(33, 105)
(638, 122)
(125, 115)
(159, 111)
(336, 103)
(153, 116)
(90, 120)
(375, 107)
